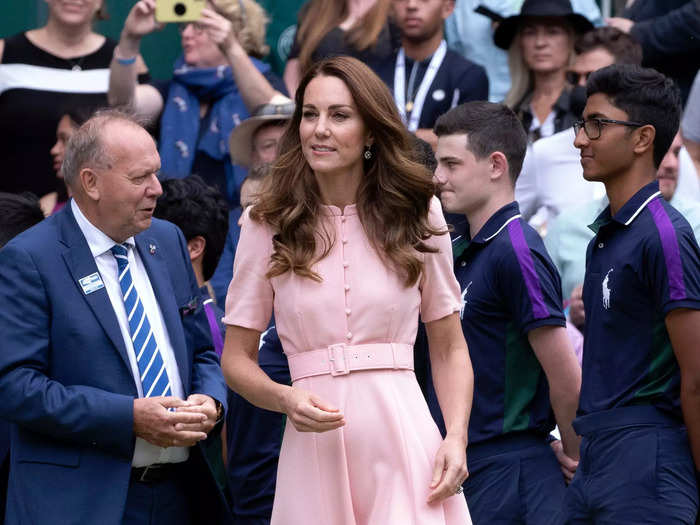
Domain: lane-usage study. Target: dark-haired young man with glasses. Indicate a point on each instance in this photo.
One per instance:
(641, 365)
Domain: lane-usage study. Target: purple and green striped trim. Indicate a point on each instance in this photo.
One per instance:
(672, 254)
(527, 267)
(214, 328)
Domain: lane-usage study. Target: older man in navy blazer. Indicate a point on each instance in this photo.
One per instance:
(110, 388)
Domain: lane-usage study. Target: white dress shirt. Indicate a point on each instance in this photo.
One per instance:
(100, 244)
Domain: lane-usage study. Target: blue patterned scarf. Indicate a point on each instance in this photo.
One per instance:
(180, 135)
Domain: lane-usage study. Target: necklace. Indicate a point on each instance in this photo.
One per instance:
(76, 64)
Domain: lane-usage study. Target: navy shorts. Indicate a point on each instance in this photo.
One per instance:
(635, 468)
(514, 480)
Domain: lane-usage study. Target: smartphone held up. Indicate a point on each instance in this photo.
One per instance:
(179, 10)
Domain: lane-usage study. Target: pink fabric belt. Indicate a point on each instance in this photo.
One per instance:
(341, 359)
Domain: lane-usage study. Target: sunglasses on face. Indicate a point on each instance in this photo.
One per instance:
(573, 78)
(593, 127)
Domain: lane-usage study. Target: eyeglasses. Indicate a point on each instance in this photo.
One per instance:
(196, 26)
(594, 126)
(573, 78)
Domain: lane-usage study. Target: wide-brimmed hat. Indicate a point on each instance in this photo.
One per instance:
(506, 30)
(241, 140)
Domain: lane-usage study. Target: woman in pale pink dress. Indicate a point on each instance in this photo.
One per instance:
(348, 246)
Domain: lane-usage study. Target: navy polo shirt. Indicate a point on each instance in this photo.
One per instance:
(458, 80)
(642, 263)
(509, 287)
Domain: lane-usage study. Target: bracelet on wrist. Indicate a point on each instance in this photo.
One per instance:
(124, 61)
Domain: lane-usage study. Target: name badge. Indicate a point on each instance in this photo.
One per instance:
(91, 283)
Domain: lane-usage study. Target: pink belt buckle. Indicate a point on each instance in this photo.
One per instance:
(336, 360)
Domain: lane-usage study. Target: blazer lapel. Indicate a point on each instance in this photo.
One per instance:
(81, 263)
(159, 276)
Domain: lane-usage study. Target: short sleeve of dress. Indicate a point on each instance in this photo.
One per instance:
(440, 293)
(250, 295)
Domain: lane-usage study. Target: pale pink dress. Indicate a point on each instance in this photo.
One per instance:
(376, 469)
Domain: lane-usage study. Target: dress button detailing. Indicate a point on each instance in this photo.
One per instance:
(463, 264)
(345, 241)
(601, 245)
(346, 264)
(348, 335)
(348, 311)
(347, 287)
(342, 219)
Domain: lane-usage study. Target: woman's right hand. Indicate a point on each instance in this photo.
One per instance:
(141, 20)
(308, 413)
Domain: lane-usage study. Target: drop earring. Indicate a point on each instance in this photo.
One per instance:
(368, 153)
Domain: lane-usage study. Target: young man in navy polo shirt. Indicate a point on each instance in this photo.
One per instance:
(641, 294)
(428, 79)
(524, 365)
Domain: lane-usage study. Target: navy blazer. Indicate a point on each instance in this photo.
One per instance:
(65, 378)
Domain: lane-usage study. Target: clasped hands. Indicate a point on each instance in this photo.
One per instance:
(173, 422)
(309, 413)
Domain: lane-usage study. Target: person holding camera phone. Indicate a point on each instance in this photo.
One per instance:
(216, 82)
(43, 71)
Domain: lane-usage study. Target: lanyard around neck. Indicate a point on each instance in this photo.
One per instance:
(400, 85)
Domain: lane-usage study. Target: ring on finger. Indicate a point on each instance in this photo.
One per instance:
(459, 489)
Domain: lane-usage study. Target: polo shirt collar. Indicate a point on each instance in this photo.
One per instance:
(97, 240)
(459, 233)
(497, 222)
(630, 210)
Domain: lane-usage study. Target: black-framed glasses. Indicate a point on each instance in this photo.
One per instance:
(594, 126)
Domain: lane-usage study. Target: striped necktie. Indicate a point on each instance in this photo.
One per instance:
(154, 376)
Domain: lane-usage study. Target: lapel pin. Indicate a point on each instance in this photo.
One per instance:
(152, 248)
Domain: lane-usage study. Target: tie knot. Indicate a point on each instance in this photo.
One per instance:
(120, 250)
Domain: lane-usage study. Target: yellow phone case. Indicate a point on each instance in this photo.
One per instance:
(179, 10)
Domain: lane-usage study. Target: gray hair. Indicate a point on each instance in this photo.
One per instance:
(86, 149)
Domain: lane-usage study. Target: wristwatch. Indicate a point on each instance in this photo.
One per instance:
(219, 410)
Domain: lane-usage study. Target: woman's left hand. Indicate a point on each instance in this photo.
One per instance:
(450, 469)
(218, 28)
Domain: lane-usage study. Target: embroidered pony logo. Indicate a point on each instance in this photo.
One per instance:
(606, 290)
(464, 300)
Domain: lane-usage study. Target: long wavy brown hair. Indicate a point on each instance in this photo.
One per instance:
(321, 16)
(392, 200)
